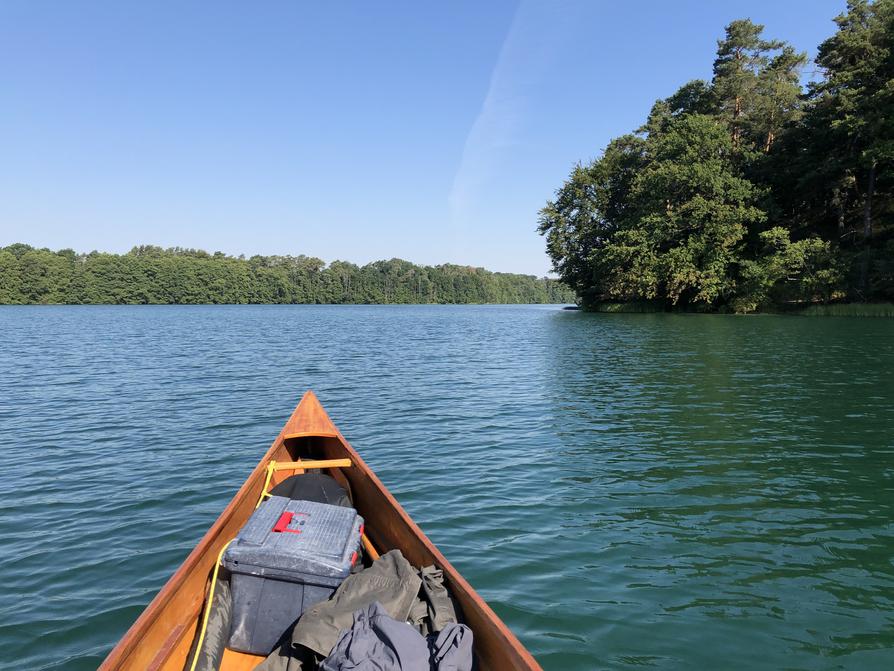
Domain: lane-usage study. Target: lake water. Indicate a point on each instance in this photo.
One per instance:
(627, 491)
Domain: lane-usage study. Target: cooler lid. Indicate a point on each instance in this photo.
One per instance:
(298, 536)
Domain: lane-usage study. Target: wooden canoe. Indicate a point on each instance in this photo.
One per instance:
(161, 637)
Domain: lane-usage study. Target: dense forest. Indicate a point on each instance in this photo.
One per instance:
(188, 276)
(749, 191)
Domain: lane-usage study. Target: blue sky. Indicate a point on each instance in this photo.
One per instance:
(428, 131)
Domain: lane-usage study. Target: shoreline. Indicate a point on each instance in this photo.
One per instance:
(875, 310)
(565, 306)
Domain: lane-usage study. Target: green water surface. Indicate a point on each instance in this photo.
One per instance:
(627, 491)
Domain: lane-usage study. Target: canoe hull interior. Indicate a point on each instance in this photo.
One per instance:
(161, 638)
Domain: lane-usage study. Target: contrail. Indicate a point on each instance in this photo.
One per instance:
(535, 36)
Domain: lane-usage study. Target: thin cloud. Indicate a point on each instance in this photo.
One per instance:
(534, 39)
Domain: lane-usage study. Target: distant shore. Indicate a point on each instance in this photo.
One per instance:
(155, 276)
(816, 310)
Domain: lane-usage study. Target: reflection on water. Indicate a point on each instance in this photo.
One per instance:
(738, 479)
(627, 491)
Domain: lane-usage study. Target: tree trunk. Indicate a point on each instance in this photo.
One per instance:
(737, 132)
(737, 111)
(867, 204)
(838, 202)
(770, 134)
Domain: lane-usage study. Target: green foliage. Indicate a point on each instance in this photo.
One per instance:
(696, 209)
(187, 276)
(660, 217)
(788, 272)
(10, 279)
(745, 193)
(740, 57)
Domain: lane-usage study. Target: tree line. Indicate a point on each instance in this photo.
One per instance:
(748, 191)
(149, 274)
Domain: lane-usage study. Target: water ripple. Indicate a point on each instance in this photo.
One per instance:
(627, 491)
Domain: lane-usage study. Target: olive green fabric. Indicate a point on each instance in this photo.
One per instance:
(391, 581)
(405, 593)
(434, 610)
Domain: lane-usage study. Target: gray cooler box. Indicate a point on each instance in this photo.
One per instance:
(288, 556)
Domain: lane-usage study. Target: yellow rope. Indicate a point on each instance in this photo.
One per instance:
(270, 468)
(195, 658)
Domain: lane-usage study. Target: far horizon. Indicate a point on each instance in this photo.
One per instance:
(431, 134)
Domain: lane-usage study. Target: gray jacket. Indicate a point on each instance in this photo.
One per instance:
(378, 642)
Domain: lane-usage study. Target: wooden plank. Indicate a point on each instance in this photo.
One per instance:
(164, 652)
(370, 549)
(312, 463)
(239, 661)
(179, 653)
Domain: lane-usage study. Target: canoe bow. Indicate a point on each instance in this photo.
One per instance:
(161, 637)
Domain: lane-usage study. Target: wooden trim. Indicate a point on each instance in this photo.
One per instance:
(369, 547)
(312, 463)
(165, 650)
